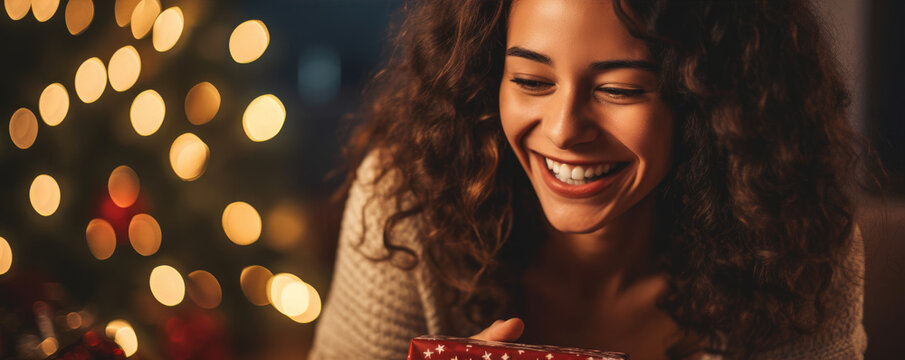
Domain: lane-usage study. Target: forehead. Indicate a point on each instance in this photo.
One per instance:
(572, 30)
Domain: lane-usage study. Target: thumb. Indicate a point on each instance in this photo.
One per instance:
(509, 330)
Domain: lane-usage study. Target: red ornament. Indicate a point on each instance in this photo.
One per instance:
(450, 348)
(91, 347)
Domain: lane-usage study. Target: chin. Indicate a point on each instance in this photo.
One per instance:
(566, 221)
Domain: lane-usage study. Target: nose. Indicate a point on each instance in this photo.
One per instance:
(566, 122)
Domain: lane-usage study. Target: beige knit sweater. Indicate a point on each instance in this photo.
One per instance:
(375, 308)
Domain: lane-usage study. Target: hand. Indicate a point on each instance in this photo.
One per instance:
(500, 330)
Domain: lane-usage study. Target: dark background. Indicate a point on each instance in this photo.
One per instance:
(52, 263)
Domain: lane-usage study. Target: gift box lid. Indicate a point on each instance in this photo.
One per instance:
(434, 347)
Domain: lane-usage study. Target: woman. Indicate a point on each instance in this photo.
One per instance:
(662, 178)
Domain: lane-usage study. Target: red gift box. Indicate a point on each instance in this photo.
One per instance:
(450, 348)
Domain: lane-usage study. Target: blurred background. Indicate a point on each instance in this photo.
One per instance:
(163, 182)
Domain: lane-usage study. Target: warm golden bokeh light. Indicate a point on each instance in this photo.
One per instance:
(123, 186)
(123, 11)
(79, 14)
(284, 226)
(101, 238)
(73, 320)
(248, 41)
(167, 29)
(124, 68)
(314, 307)
(114, 326)
(147, 112)
(23, 128)
(44, 9)
(17, 9)
(189, 156)
(144, 234)
(167, 285)
(45, 195)
(49, 346)
(241, 223)
(143, 17)
(126, 339)
(263, 118)
(90, 80)
(202, 103)
(254, 280)
(288, 294)
(53, 104)
(6, 257)
(204, 289)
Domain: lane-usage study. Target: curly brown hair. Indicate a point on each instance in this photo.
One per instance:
(754, 215)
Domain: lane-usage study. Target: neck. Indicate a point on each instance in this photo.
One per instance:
(618, 251)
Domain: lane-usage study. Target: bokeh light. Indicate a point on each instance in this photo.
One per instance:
(147, 112)
(90, 80)
(124, 336)
(189, 156)
(202, 103)
(167, 29)
(263, 118)
(44, 9)
(204, 289)
(241, 223)
(49, 346)
(319, 75)
(23, 128)
(73, 320)
(101, 238)
(6, 256)
(124, 68)
(254, 280)
(114, 326)
(53, 104)
(144, 234)
(314, 307)
(17, 9)
(284, 226)
(45, 195)
(248, 41)
(123, 186)
(167, 285)
(143, 17)
(123, 11)
(288, 294)
(79, 14)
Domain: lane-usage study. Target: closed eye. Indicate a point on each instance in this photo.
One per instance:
(532, 85)
(621, 92)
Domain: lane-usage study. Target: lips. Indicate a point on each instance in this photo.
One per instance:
(573, 180)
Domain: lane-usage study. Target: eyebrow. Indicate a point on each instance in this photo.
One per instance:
(597, 66)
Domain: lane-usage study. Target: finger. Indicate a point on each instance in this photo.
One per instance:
(509, 330)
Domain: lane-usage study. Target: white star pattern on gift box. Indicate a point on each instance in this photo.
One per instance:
(521, 352)
(455, 358)
(505, 356)
(427, 354)
(486, 356)
(549, 356)
(440, 349)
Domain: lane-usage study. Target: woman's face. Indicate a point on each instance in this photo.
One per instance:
(580, 106)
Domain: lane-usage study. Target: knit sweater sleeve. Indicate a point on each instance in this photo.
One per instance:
(374, 307)
(843, 337)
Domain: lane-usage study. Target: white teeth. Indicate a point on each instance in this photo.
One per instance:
(574, 174)
(565, 171)
(578, 173)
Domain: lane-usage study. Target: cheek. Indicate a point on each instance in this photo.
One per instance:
(647, 132)
(514, 117)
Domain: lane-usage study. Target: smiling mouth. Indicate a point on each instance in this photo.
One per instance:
(583, 174)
